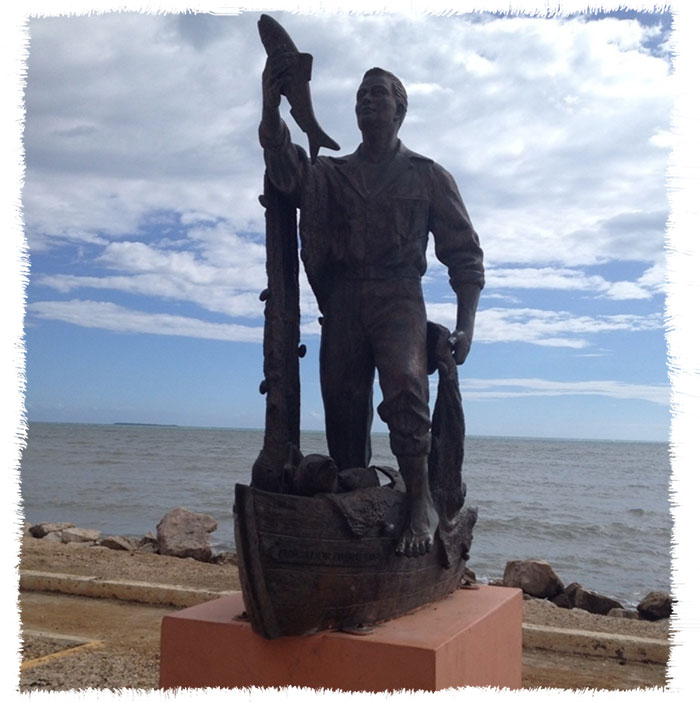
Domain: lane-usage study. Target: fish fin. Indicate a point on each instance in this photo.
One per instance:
(319, 139)
(304, 63)
(328, 142)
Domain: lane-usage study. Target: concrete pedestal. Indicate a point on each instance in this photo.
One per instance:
(474, 637)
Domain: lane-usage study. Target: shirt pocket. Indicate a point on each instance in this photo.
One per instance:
(410, 216)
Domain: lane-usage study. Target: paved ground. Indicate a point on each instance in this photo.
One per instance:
(115, 644)
(128, 635)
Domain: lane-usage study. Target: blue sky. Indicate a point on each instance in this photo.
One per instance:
(146, 239)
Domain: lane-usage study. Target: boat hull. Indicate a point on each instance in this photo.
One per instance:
(313, 563)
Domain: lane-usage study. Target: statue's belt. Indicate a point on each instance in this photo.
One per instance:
(379, 273)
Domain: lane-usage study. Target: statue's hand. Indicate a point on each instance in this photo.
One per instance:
(461, 344)
(274, 77)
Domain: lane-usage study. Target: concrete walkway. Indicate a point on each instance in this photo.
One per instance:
(104, 612)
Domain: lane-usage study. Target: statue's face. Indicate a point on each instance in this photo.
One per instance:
(375, 104)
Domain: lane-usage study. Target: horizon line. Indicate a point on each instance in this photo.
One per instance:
(154, 425)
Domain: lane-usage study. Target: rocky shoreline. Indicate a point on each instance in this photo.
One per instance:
(185, 534)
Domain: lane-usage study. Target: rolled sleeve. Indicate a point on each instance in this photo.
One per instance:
(456, 242)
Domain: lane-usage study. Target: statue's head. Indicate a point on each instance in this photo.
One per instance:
(381, 96)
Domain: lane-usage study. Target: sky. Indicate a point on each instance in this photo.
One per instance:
(133, 173)
(146, 238)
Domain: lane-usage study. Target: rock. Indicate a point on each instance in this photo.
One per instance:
(574, 595)
(77, 535)
(468, 580)
(565, 599)
(594, 602)
(54, 536)
(44, 528)
(534, 577)
(148, 547)
(656, 605)
(147, 543)
(149, 538)
(623, 613)
(118, 543)
(225, 558)
(185, 534)
(496, 582)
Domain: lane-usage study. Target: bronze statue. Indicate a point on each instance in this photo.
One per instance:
(364, 223)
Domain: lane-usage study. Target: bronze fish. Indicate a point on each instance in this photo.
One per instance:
(297, 92)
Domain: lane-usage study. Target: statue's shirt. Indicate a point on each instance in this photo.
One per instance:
(380, 232)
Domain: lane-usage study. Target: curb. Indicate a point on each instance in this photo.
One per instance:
(573, 641)
(596, 643)
(127, 590)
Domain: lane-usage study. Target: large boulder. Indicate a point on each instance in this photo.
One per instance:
(534, 577)
(656, 605)
(185, 534)
(44, 528)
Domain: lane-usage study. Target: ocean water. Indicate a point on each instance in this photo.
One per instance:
(598, 511)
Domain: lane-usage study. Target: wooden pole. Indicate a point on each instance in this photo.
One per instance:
(281, 340)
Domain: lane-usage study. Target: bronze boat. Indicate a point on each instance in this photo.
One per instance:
(296, 581)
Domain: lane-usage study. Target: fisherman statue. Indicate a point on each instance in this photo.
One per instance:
(364, 221)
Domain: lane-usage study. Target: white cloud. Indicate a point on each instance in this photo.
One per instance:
(112, 317)
(497, 388)
(543, 327)
(141, 143)
(552, 127)
(125, 116)
(494, 325)
(212, 267)
(650, 283)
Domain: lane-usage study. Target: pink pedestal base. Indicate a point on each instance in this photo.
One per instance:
(474, 637)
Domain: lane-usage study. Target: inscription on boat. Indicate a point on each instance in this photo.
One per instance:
(290, 550)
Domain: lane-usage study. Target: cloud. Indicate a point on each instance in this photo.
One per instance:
(143, 167)
(210, 266)
(553, 127)
(125, 116)
(494, 325)
(543, 327)
(112, 317)
(650, 283)
(498, 388)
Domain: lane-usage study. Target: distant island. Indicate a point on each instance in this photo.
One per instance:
(143, 424)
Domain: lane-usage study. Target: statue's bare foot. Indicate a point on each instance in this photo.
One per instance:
(417, 538)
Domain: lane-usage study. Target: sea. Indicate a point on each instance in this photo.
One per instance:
(597, 511)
